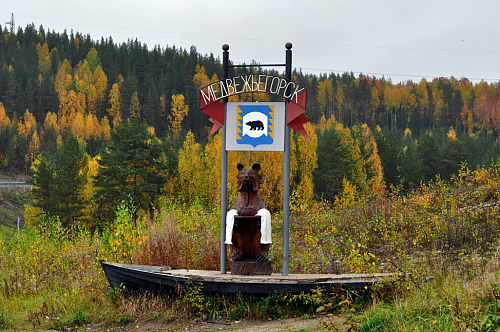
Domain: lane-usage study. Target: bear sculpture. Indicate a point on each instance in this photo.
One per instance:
(248, 204)
(249, 183)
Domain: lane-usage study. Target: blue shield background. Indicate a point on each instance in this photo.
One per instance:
(246, 134)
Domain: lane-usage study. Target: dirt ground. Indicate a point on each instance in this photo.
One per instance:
(292, 324)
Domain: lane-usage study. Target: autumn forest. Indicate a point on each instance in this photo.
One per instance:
(397, 177)
(97, 123)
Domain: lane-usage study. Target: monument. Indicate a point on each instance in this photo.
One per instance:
(248, 226)
(252, 126)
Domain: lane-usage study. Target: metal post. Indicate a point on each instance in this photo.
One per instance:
(286, 168)
(223, 182)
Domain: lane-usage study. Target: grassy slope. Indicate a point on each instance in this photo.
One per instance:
(448, 231)
(12, 202)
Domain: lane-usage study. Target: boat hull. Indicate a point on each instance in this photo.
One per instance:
(165, 279)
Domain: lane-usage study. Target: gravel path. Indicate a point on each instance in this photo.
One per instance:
(197, 325)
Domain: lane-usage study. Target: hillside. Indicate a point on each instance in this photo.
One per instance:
(12, 200)
(447, 230)
(56, 84)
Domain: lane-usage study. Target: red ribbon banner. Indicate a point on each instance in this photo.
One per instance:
(294, 113)
(294, 117)
(215, 111)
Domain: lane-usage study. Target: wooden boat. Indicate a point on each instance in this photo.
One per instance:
(166, 279)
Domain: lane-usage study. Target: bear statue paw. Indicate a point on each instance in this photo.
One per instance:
(262, 253)
(237, 254)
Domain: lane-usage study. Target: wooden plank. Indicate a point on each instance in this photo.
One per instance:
(164, 278)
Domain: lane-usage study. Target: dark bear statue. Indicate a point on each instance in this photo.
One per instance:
(248, 227)
(249, 183)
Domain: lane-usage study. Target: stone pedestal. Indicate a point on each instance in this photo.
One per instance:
(251, 267)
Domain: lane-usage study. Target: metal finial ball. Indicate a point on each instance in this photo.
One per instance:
(225, 47)
(288, 46)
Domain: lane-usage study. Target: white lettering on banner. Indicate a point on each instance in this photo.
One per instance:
(282, 85)
(210, 97)
(286, 89)
(260, 83)
(230, 87)
(275, 92)
(246, 85)
(296, 93)
(251, 83)
(235, 86)
(206, 98)
(223, 90)
(255, 85)
(212, 91)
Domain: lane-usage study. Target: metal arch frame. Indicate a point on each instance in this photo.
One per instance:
(286, 166)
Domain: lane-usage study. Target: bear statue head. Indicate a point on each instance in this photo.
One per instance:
(249, 179)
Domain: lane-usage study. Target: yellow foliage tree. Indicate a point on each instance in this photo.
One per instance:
(439, 106)
(135, 106)
(212, 159)
(359, 176)
(200, 78)
(374, 102)
(452, 134)
(348, 195)
(44, 62)
(64, 79)
(91, 80)
(307, 162)
(372, 164)
(115, 104)
(163, 104)
(29, 122)
(340, 96)
(322, 124)
(105, 129)
(93, 129)
(27, 125)
(100, 83)
(91, 98)
(70, 103)
(78, 126)
(179, 111)
(193, 178)
(88, 192)
(422, 97)
(4, 119)
(33, 149)
(51, 121)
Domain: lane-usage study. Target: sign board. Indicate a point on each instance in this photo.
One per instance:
(255, 126)
(211, 97)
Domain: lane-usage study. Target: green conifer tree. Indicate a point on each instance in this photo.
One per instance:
(43, 184)
(70, 178)
(129, 170)
(388, 150)
(339, 158)
(430, 156)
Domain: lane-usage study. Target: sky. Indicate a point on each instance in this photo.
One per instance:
(397, 39)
